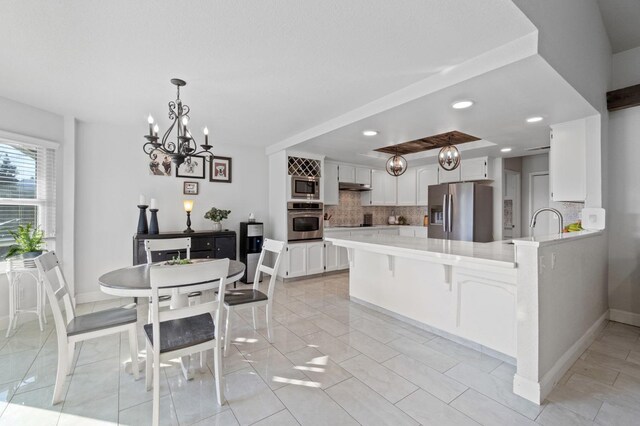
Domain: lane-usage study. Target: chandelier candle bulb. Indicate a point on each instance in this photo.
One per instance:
(150, 121)
(206, 136)
(155, 130)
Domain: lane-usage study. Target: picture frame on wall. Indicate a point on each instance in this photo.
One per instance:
(190, 188)
(220, 170)
(193, 167)
(159, 164)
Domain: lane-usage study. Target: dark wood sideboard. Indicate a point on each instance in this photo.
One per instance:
(204, 245)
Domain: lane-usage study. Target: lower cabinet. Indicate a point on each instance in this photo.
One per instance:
(336, 258)
(302, 259)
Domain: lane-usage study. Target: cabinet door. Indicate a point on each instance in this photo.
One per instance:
(426, 176)
(393, 231)
(225, 247)
(343, 258)
(420, 231)
(568, 161)
(296, 255)
(346, 173)
(375, 197)
(390, 189)
(315, 258)
(330, 180)
(407, 188)
(474, 169)
(363, 175)
(406, 232)
(445, 176)
(330, 256)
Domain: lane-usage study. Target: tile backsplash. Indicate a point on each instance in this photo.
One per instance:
(351, 212)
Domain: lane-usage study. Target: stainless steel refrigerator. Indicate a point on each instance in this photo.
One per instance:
(461, 211)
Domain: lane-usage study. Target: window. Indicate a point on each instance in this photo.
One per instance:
(27, 189)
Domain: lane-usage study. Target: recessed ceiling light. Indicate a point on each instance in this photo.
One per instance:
(462, 104)
(505, 150)
(534, 119)
(370, 132)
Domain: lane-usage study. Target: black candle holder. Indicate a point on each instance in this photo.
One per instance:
(188, 230)
(143, 228)
(153, 223)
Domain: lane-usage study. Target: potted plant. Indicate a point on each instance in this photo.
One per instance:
(28, 240)
(216, 216)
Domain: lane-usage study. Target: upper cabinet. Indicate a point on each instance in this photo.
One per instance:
(446, 176)
(330, 182)
(474, 169)
(363, 176)
(383, 190)
(407, 188)
(568, 161)
(426, 176)
(347, 173)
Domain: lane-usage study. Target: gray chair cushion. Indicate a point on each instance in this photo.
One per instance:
(183, 332)
(101, 320)
(240, 297)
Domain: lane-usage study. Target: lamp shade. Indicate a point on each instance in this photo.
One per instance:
(449, 157)
(396, 165)
(188, 205)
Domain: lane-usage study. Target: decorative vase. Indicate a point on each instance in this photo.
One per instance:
(217, 226)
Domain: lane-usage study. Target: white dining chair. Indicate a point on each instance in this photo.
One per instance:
(254, 298)
(74, 328)
(183, 331)
(170, 245)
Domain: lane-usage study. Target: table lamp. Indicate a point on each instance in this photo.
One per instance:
(188, 207)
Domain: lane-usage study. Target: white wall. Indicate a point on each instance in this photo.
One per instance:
(530, 164)
(626, 69)
(112, 172)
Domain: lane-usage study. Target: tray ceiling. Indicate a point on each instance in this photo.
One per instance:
(430, 142)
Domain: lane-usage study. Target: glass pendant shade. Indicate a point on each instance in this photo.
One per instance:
(449, 158)
(396, 165)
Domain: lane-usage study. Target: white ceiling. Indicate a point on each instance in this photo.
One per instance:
(257, 71)
(504, 98)
(622, 21)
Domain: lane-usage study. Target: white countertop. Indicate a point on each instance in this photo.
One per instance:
(555, 238)
(497, 254)
(358, 228)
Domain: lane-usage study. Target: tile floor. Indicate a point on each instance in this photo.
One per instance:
(332, 362)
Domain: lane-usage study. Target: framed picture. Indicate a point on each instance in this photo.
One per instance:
(190, 188)
(193, 167)
(220, 170)
(160, 164)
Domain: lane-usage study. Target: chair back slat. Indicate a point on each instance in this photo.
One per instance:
(275, 247)
(169, 244)
(165, 276)
(56, 288)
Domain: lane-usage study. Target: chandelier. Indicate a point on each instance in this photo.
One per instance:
(396, 165)
(449, 157)
(184, 145)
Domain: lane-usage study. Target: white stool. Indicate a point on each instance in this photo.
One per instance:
(17, 268)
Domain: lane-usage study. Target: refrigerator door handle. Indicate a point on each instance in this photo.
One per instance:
(450, 213)
(445, 223)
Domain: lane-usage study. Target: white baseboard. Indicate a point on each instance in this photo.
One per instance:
(92, 296)
(625, 317)
(537, 392)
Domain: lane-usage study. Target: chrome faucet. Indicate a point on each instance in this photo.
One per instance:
(532, 224)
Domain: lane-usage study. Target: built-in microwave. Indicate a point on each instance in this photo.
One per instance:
(304, 221)
(305, 188)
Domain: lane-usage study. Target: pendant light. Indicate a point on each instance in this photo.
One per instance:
(396, 165)
(449, 157)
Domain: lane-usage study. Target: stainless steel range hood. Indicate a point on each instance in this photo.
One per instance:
(357, 187)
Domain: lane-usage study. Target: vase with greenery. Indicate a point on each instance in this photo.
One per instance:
(27, 240)
(216, 216)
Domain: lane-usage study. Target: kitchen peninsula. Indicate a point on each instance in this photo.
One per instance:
(502, 299)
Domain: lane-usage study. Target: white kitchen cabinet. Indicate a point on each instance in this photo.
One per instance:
(568, 161)
(363, 175)
(406, 231)
(335, 258)
(427, 175)
(407, 188)
(383, 190)
(393, 231)
(447, 176)
(346, 173)
(295, 260)
(413, 231)
(315, 258)
(474, 169)
(390, 189)
(330, 182)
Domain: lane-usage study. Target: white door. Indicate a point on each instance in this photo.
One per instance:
(547, 223)
(315, 258)
(511, 205)
(296, 260)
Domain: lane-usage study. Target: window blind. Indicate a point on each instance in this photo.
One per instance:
(27, 189)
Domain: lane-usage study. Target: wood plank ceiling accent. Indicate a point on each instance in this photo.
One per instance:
(430, 142)
(623, 98)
